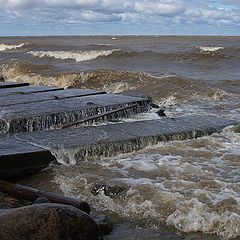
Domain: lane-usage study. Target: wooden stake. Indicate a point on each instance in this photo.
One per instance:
(29, 193)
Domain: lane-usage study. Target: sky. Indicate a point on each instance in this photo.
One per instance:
(119, 17)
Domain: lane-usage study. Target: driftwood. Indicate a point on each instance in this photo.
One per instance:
(99, 115)
(29, 193)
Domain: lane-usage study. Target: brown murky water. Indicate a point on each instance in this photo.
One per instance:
(182, 189)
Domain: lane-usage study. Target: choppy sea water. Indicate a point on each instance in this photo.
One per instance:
(188, 188)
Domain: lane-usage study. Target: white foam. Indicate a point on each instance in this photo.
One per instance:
(4, 47)
(197, 217)
(78, 56)
(210, 49)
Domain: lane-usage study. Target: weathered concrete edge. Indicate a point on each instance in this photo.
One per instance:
(52, 98)
(24, 163)
(108, 148)
(111, 140)
(13, 84)
(47, 121)
(125, 142)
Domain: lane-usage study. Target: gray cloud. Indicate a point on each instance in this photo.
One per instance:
(162, 12)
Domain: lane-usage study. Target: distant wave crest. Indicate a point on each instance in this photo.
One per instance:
(4, 47)
(210, 49)
(78, 56)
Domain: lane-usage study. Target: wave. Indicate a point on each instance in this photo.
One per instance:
(209, 49)
(190, 184)
(5, 47)
(160, 86)
(203, 55)
(78, 56)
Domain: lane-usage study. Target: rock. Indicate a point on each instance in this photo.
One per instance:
(41, 200)
(154, 105)
(168, 236)
(161, 113)
(104, 223)
(110, 191)
(48, 221)
(236, 128)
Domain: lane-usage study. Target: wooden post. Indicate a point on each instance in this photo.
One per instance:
(29, 193)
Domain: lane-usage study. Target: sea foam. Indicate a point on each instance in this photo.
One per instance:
(4, 47)
(78, 56)
(210, 49)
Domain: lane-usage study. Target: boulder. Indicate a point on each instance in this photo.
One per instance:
(104, 223)
(48, 221)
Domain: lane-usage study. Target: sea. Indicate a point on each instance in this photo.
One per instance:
(188, 189)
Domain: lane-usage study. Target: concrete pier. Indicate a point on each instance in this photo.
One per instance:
(27, 112)
(26, 109)
(76, 144)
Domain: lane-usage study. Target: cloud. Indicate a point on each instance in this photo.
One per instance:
(162, 8)
(19, 4)
(156, 12)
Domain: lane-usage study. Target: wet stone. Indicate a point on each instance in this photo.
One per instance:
(110, 191)
(48, 221)
(161, 113)
(104, 223)
(168, 236)
(153, 105)
(41, 200)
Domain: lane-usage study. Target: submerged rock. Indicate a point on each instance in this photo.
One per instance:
(168, 236)
(161, 113)
(104, 223)
(154, 105)
(110, 191)
(48, 221)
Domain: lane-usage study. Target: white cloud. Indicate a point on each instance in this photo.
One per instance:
(159, 12)
(163, 8)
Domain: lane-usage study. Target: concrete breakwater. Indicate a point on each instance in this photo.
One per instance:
(24, 110)
(30, 151)
(27, 111)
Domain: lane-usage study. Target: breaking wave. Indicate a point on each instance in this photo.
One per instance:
(78, 56)
(5, 47)
(192, 185)
(210, 49)
(110, 80)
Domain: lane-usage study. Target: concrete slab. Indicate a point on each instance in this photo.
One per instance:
(26, 89)
(12, 84)
(18, 158)
(51, 113)
(24, 98)
(73, 145)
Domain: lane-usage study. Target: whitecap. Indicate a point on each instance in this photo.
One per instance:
(78, 56)
(5, 47)
(210, 49)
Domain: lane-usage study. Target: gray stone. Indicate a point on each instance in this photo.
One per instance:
(104, 223)
(111, 191)
(48, 222)
(41, 200)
